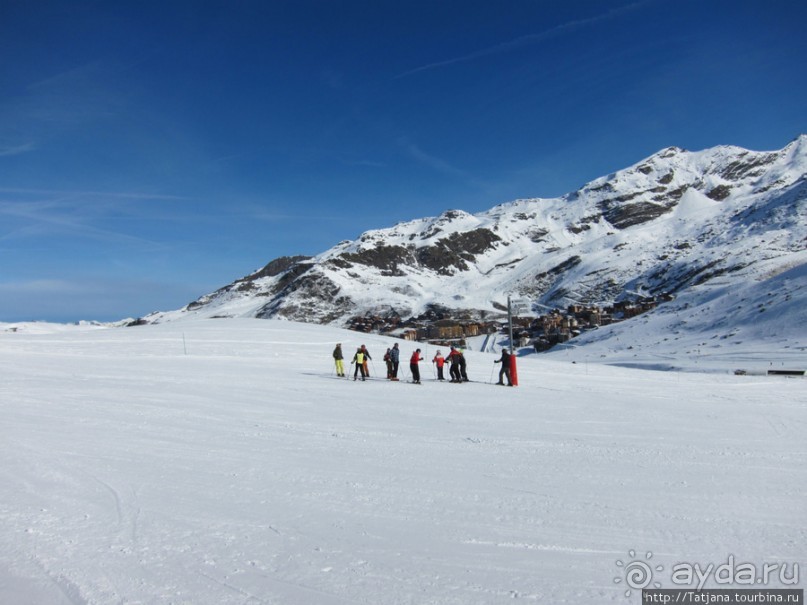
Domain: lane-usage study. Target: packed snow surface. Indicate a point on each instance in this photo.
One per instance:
(222, 462)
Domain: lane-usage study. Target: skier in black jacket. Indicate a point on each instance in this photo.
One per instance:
(505, 371)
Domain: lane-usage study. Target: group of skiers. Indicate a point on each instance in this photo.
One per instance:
(455, 360)
(361, 359)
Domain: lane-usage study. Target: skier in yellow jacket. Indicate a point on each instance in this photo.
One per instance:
(358, 359)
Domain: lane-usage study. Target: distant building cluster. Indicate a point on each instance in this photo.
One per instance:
(543, 332)
(560, 326)
(438, 325)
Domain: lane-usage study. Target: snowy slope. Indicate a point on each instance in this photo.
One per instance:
(721, 326)
(220, 462)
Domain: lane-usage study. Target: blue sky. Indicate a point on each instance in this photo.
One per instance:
(151, 152)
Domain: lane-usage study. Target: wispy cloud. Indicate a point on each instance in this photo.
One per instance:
(267, 213)
(432, 161)
(88, 215)
(440, 165)
(44, 220)
(34, 112)
(74, 96)
(527, 40)
(9, 150)
(365, 163)
(130, 195)
(40, 286)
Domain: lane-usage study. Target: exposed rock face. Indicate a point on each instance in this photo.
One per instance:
(276, 267)
(456, 251)
(623, 216)
(445, 256)
(673, 221)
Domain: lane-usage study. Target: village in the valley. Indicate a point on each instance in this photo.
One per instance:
(442, 326)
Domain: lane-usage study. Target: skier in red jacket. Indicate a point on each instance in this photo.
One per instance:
(413, 365)
(439, 361)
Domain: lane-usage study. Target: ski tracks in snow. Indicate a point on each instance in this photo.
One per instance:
(127, 511)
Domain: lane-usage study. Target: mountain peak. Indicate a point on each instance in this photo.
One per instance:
(797, 147)
(670, 152)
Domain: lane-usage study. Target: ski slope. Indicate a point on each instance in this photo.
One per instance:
(221, 462)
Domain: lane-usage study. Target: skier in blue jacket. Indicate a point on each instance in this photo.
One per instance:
(395, 358)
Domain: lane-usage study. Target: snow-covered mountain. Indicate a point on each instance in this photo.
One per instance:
(674, 222)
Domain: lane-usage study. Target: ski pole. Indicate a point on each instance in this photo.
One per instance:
(493, 369)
